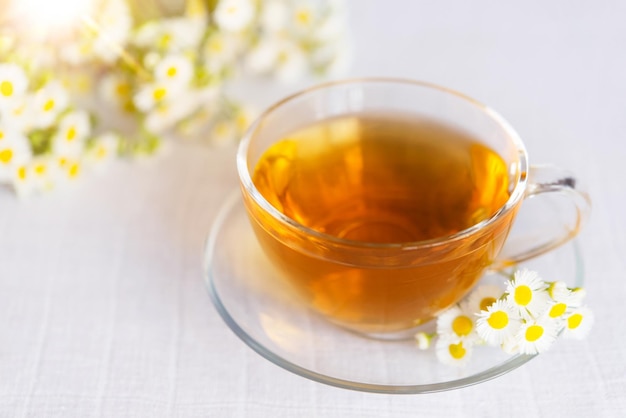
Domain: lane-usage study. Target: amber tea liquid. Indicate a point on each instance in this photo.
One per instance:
(382, 179)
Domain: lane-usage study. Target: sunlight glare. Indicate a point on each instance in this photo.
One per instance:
(47, 14)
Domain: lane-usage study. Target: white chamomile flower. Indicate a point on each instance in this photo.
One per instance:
(262, 57)
(561, 299)
(116, 90)
(168, 114)
(154, 94)
(20, 112)
(170, 35)
(291, 61)
(7, 43)
(578, 323)
(537, 335)
(147, 34)
(77, 52)
(453, 352)
(78, 82)
(456, 324)
(114, 22)
(331, 28)
(223, 132)
(207, 104)
(151, 59)
(576, 297)
(528, 292)
(103, 149)
(23, 180)
(510, 345)
(38, 175)
(220, 50)
(48, 102)
(499, 322)
(13, 83)
(14, 151)
(274, 15)
(73, 129)
(174, 70)
(304, 16)
(483, 296)
(204, 97)
(244, 115)
(334, 58)
(234, 15)
(558, 290)
(423, 340)
(68, 169)
(189, 32)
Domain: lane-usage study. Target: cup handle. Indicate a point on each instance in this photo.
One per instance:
(554, 209)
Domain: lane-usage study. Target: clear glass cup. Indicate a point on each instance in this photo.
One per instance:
(385, 290)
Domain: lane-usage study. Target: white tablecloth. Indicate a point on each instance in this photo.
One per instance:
(103, 309)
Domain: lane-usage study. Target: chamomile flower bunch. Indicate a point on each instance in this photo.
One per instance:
(525, 317)
(187, 61)
(146, 72)
(45, 141)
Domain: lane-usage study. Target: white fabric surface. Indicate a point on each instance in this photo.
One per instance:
(103, 310)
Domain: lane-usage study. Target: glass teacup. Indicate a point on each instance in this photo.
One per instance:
(374, 274)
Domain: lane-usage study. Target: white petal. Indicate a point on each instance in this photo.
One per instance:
(274, 15)
(234, 15)
(454, 353)
(263, 57)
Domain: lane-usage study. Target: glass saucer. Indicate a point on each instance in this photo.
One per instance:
(253, 301)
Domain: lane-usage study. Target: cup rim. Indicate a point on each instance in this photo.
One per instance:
(515, 197)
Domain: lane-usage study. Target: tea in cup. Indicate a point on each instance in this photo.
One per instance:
(384, 201)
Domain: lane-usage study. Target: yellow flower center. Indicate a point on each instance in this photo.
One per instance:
(21, 173)
(101, 153)
(557, 310)
(216, 46)
(19, 110)
(303, 17)
(283, 57)
(49, 105)
(163, 109)
(83, 84)
(165, 40)
(171, 72)
(498, 320)
(40, 169)
(533, 333)
(486, 302)
(71, 134)
(523, 295)
(85, 49)
(159, 93)
(74, 170)
(1, 135)
(6, 155)
(242, 122)
(574, 321)
(462, 325)
(222, 129)
(6, 88)
(122, 89)
(457, 351)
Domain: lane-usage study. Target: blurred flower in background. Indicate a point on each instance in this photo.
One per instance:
(86, 81)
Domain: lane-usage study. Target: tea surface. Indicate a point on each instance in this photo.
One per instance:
(383, 178)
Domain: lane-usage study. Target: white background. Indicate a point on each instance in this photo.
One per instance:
(103, 310)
